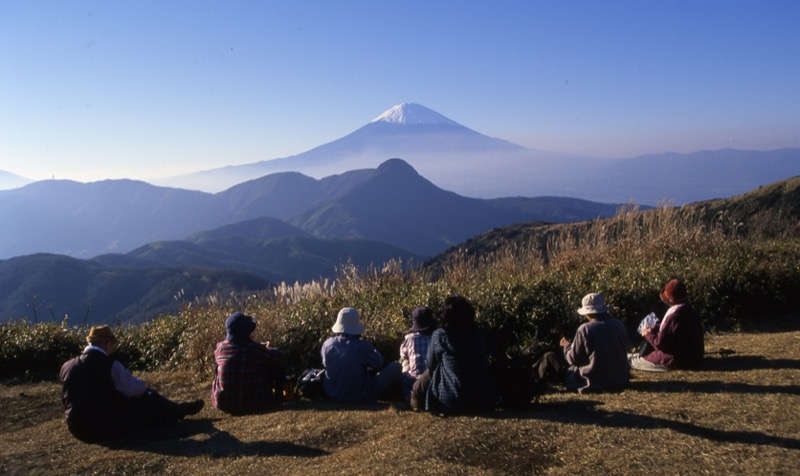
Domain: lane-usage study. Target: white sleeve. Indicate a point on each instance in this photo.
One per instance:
(125, 382)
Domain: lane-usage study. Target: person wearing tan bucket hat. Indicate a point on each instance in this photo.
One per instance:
(355, 371)
(679, 341)
(103, 400)
(596, 359)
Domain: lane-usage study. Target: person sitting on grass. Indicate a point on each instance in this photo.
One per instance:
(457, 379)
(103, 400)
(355, 372)
(249, 376)
(596, 359)
(678, 342)
(414, 348)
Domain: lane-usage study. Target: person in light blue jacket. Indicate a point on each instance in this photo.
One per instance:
(355, 371)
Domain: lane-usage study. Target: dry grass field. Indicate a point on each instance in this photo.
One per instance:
(739, 414)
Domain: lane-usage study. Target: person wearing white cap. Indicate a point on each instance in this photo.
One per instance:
(354, 370)
(597, 358)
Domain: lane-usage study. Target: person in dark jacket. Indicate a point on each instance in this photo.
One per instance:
(678, 342)
(103, 400)
(457, 379)
(596, 359)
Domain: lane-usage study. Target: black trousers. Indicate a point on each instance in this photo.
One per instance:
(135, 413)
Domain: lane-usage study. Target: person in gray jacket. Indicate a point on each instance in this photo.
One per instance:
(596, 359)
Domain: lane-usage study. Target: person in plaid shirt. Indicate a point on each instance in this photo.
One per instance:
(414, 348)
(249, 375)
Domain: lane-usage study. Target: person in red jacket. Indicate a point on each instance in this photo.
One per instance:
(678, 342)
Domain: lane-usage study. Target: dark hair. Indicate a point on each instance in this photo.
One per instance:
(457, 313)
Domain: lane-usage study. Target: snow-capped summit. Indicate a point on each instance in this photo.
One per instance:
(411, 113)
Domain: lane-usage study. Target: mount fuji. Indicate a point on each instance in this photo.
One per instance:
(451, 155)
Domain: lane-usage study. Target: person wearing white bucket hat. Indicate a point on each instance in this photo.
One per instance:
(348, 322)
(596, 359)
(354, 370)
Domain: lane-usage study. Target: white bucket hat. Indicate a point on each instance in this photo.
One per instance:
(593, 304)
(348, 322)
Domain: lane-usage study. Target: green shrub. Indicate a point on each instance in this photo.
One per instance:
(37, 350)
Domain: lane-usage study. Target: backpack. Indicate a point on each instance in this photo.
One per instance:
(516, 387)
(309, 385)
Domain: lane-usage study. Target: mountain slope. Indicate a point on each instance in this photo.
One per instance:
(257, 229)
(773, 210)
(10, 181)
(117, 216)
(44, 287)
(399, 207)
(277, 253)
(83, 220)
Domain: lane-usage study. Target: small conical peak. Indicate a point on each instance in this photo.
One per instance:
(411, 113)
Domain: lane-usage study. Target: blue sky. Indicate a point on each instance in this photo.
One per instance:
(148, 89)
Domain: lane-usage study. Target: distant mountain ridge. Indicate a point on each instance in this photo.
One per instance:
(282, 227)
(9, 180)
(268, 248)
(83, 220)
(472, 164)
(438, 147)
(160, 276)
(383, 204)
(469, 163)
(48, 287)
